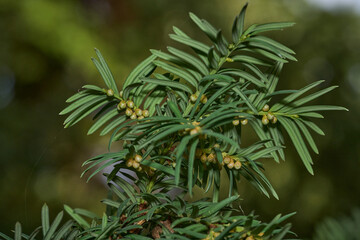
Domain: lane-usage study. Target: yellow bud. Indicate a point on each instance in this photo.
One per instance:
(133, 116)
(244, 122)
(203, 158)
(265, 120)
(229, 60)
(195, 123)
(204, 99)
(129, 162)
(121, 105)
(121, 93)
(227, 160)
(193, 98)
(128, 112)
(138, 158)
(270, 116)
(146, 113)
(236, 122)
(138, 112)
(274, 120)
(110, 92)
(130, 104)
(141, 117)
(140, 169)
(231, 165)
(266, 108)
(216, 145)
(193, 131)
(237, 165)
(136, 165)
(211, 157)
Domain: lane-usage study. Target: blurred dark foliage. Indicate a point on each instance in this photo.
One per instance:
(45, 50)
(343, 227)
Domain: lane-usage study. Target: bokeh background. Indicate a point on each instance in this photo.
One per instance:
(45, 50)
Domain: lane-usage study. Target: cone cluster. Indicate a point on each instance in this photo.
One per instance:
(209, 156)
(246, 236)
(131, 110)
(231, 161)
(191, 131)
(268, 116)
(135, 162)
(237, 121)
(195, 96)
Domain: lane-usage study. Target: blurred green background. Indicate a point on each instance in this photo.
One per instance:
(45, 50)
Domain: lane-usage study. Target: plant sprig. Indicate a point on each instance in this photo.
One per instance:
(179, 118)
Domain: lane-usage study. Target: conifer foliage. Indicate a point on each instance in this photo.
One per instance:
(179, 117)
